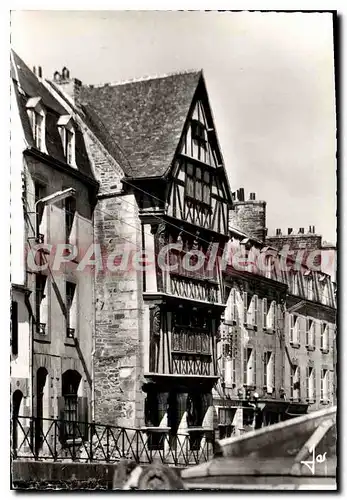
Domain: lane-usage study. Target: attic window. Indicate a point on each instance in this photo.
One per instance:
(67, 135)
(37, 117)
(198, 131)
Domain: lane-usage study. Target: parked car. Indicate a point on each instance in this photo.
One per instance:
(298, 454)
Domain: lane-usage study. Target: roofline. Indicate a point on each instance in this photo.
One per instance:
(59, 165)
(143, 78)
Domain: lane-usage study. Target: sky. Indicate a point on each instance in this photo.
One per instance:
(269, 76)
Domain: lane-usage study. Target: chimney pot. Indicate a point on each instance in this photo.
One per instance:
(34, 70)
(301, 230)
(313, 229)
(278, 232)
(40, 71)
(252, 196)
(290, 230)
(56, 76)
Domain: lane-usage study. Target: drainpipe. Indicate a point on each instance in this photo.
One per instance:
(31, 354)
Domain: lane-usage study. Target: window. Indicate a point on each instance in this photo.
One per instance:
(198, 131)
(67, 135)
(324, 337)
(41, 304)
(310, 288)
(249, 367)
(226, 427)
(70, 210)
(295, 382)
(269, 371)
(271, 317)
(37, 120)
(250, 310)
(40, 192)
(229, 366)
(71, 311)
(310, 383)
(14, 327)
(324, 385)
(295, 284)
(310, 333)
(73, 409)
(264, 314)
(198, 184)
(294, 329)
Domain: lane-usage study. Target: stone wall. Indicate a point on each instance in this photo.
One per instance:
(118, 365)
(250, 217)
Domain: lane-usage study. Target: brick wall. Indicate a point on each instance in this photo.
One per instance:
(249, 217)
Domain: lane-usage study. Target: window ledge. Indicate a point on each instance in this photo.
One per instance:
(310, 401)
(270, 331)
(310, 347)
(325, 351)
(324, 401)
(296, 345)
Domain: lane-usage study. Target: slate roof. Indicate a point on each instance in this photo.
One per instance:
(27, 85)
(142, 121)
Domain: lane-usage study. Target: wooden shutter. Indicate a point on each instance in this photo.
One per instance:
(250, 312)
(234, 298)
(14, 328)
(299, 381)
(314, 383)
(245, 307)
(82, 417)
(273, 370)
(314, 335)
(245, 365)
(264, 313)
(321, 335)
(322, 384)
(307, 331)
(265, 368)
(330, 392)
(291, 327)
(254, 365)
(287, 326)
(255, 310)
(61, 407)
(291, 368)
(275, 315)
(307, 382)
(234, 370)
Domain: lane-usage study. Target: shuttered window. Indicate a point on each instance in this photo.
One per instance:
(265, 313)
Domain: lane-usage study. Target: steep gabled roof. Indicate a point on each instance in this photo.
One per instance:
(27, 86)
(144, 119)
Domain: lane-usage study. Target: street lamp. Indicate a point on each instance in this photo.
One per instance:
(49, 200)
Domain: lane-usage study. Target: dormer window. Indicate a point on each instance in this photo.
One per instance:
(37, 117)
(67, 135)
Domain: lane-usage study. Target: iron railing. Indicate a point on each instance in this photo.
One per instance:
(58, 440)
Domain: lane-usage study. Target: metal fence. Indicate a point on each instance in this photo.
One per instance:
(58, 440)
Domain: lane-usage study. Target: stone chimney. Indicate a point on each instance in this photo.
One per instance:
(249, 216)
(70, 86)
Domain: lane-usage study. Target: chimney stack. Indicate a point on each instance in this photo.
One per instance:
(71, 86)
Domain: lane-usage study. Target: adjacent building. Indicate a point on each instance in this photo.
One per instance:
(53, 194)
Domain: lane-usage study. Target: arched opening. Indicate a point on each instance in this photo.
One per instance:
(16, 402)
(41, 406)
